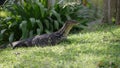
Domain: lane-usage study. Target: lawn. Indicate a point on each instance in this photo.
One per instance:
(97, 46)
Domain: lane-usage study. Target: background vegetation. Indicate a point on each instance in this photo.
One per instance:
(28, 18)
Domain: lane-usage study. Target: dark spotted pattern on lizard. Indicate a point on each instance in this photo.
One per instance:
(47, 39)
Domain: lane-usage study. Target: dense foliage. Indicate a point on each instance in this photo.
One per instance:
(32, 17)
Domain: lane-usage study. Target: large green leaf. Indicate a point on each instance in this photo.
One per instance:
(38, 31)
(23, 27)
(42, 9)
(11, 37)
(40, 25)
(56, 24)
(56, 15)
(47, 23)
(3, 31)
(31, 34)
(33, 21)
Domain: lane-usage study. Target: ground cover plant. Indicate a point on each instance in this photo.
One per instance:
(91, 48)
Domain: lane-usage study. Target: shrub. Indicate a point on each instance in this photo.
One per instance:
(32, 17)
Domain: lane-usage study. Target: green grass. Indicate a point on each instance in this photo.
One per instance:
(91, 48)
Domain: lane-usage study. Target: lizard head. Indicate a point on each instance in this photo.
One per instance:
(72, 22)
(67, 27)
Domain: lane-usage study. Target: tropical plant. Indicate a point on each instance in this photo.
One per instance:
(32, 17)
(29, 18)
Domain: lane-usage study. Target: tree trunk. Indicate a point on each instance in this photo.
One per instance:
(118, 12)
(113, 8)
(105, 10)
(111, 11)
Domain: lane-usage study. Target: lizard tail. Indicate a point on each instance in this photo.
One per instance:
(3, 46)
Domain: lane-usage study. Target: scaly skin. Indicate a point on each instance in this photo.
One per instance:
(47, 39)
